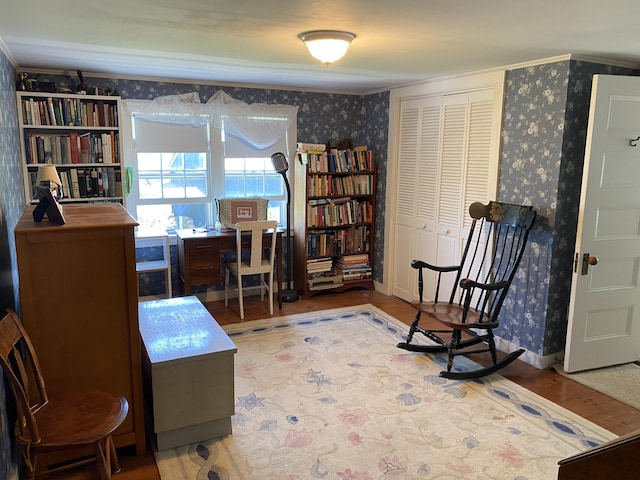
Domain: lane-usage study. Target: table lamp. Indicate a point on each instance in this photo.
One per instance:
(47, 174)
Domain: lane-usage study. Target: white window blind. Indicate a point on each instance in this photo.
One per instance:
(164, 137)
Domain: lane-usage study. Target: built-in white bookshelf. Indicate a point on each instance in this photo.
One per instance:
(80, 135)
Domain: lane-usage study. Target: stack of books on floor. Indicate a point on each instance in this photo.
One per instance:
(354, 267)
(321, 275)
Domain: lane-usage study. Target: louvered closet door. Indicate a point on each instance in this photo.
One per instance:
(481, 170)
(446, 152)
(464, 171)
(416, 189)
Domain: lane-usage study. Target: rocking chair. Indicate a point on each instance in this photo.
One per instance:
(492, 253)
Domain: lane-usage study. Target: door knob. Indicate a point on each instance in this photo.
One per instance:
(587, 260)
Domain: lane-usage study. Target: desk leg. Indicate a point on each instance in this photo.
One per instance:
(186, 287)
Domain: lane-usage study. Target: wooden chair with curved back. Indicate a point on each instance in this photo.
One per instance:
(495, 245)
(45, 425)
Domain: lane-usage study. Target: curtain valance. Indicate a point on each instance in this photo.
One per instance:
(259, 124)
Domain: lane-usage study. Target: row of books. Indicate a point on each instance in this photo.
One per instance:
(338, 212)
(338, 242)
(73, 147)
(338, 161)
(321, 275)
(89, 182)
(319, 185)
(326, 273)
(66, 112)
(354, 267)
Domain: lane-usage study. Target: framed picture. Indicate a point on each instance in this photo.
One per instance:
(241, 209)
(47, 205)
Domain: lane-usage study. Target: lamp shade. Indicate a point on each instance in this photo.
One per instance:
(47, 174)
(279, 162)
(327, 45)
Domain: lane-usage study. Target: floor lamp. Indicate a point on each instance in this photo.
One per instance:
(281, 166)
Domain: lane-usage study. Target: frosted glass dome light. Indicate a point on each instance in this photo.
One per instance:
(327, 45)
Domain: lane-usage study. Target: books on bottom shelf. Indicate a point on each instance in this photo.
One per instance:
(324, 281)
(321, 275)
(354, 267)
(318, 265)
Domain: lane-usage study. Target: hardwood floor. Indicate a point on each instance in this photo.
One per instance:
(600, 409)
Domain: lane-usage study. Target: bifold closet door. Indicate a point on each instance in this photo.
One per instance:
(447, 159)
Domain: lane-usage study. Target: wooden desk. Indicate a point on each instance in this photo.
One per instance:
(200, 257)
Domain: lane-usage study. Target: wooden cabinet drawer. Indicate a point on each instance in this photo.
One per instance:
(203, 247)
(204, 261)
(204, 269)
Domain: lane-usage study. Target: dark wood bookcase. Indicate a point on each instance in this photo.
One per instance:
(333, 221)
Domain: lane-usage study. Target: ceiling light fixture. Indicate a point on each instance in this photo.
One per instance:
(327, 45)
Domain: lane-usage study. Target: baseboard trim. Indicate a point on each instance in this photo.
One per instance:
(532, 358)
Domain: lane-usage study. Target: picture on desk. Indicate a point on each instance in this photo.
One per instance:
(243, 212)
(234, 210)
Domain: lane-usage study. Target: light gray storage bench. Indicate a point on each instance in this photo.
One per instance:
(188, 371)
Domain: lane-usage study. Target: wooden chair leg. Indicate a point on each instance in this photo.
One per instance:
(31, 461)
(270, 292)
(240, 299)
(115, 464)
(227, 274)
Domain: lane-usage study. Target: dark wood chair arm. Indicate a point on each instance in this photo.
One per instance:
(467, 284)
(420, 264)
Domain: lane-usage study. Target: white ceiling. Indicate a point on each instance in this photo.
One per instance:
(254, 42)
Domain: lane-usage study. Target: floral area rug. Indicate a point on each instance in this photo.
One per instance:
(327, 395)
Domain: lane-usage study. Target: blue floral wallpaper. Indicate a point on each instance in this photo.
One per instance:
(11, 206)
(544, 129)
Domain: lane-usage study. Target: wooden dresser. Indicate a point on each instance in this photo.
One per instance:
(79, 304)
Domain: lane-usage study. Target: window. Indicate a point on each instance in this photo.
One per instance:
(171, 167)
(179, 170)
(248, 172)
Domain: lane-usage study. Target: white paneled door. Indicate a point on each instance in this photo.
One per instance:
(604, 313)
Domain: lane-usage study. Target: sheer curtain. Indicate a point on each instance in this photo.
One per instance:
(261, 125)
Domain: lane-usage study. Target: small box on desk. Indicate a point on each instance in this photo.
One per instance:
(188, 371)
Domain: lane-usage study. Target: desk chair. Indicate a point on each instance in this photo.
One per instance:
(61, 423)
(251, 259)
(469, 311)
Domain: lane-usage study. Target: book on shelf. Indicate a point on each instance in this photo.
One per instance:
(111, 174)
(95, 184)
(319, 264)
(82, 182)
(354, 258)
(329, 280)
(74, 143)
(118, 175)
(354, 267)
(75, 185)
(305, 147)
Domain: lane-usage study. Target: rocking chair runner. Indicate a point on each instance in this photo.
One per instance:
(492, 253)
